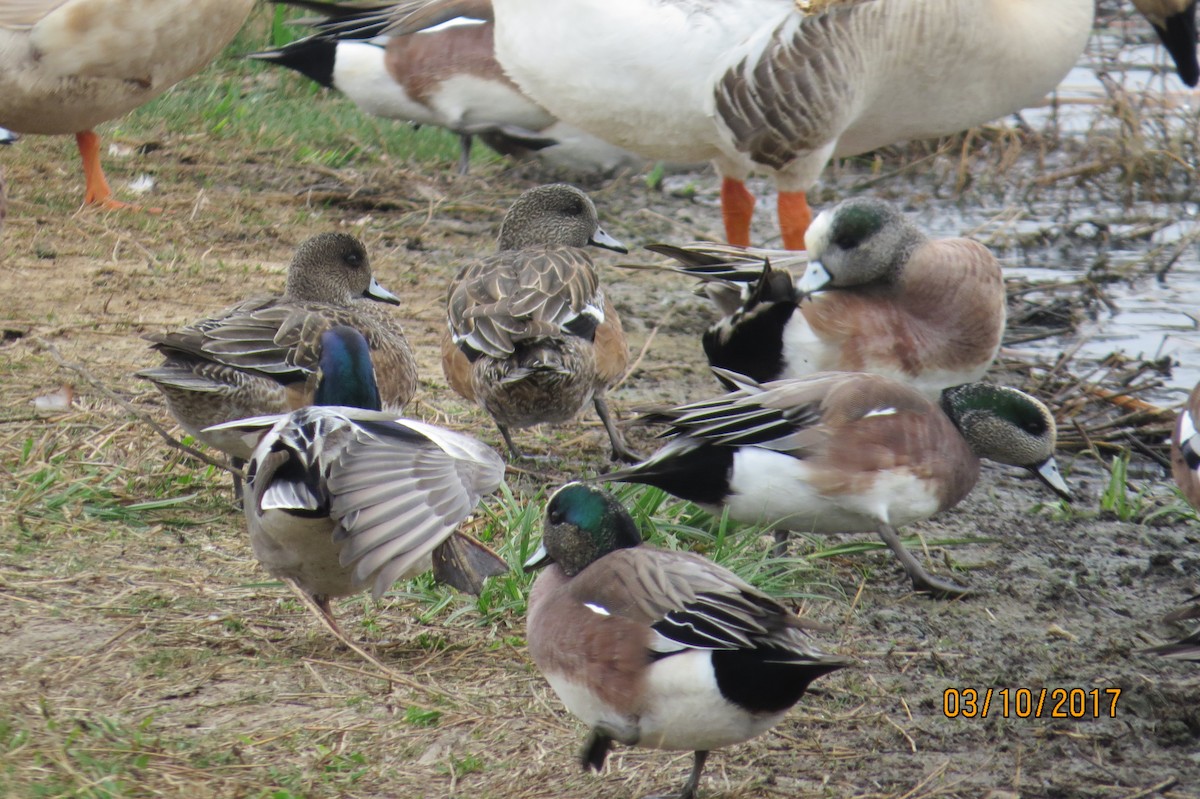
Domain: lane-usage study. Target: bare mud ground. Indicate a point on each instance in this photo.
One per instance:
(144, 653)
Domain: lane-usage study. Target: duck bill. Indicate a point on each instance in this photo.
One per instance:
(815, 278)
(1047, 472)
(380, 294)
(602, 239)
(7, 136)
(537, 560)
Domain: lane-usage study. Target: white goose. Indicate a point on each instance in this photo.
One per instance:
(68, 65)
(783, 85)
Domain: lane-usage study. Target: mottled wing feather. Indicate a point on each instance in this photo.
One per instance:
(690, 602)
(796, 95)
(510, 297)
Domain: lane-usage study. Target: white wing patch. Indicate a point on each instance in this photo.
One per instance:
(597, 609)
(880, 412)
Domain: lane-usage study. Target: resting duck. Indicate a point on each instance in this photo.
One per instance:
(68, 65)
(782, 86)
(844, 452)
(262, 355)
(660, 649)
(342, 497)
(532, 337)
(876, 295)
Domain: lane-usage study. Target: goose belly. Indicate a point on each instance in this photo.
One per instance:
(659, 64)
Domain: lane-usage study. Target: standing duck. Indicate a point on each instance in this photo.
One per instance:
(532, 337)
(782, 86)
(341, 496)
(262, 355)
(844, 452)
(876, 295)
(1185, 468)
(660, 649)
(68, 65)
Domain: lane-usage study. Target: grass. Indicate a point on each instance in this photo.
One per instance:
(145, 652)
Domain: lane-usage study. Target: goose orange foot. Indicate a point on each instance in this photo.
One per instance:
(98, 193)
(795, 216)
(737, 208)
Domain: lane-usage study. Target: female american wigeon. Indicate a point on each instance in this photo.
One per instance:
(841, 452)
(665, 650)
(532, 337)
(1185, 467)
(876, 295)
(68, 65)
(782, 86)
(262, 355)
(343, 497)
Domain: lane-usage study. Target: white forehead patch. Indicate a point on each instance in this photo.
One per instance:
(816, 238)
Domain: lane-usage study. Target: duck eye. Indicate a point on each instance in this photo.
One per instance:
(354, 259)
(556, 517)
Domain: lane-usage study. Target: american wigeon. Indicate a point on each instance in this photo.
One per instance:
(532, 337)
(262, 355)
(1185, 468)
(841, 452)
(68, 65)
(447, 78)
(342, 497)
(876, 295)
(665, 650)
(782, 86)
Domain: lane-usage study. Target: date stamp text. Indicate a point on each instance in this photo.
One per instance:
(1026, 703)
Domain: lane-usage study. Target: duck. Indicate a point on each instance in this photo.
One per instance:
(1185, 468)
(875, 295)
(656, 648)
(447, 77)
(341, 495)
(846, 452)
(261, 356)
(68, 65)
(783, 86)
(531, 336)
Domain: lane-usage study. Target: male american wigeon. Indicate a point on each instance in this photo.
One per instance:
(1185, 468)
(343, 497)
(841, 452)
(448, 78)
(68, 65)
(781, 86)
(261, 356)
(532, 337)
(665, 650)
(875, 295)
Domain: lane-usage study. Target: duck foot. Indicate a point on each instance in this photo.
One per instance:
(922, 581)
(620, 452)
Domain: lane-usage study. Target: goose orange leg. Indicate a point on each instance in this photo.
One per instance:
(794, 218)
(97, 191)
(737, 208)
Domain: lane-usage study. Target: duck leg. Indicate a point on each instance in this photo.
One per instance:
(464, 152)
(737, 209)
(781, 543)
(517, 453)
(689, 787)
(619, 450)
(795, 216)
(922, 581)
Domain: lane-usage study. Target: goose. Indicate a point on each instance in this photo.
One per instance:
(68, 65)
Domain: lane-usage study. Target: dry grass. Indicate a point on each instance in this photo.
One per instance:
(145, 653)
